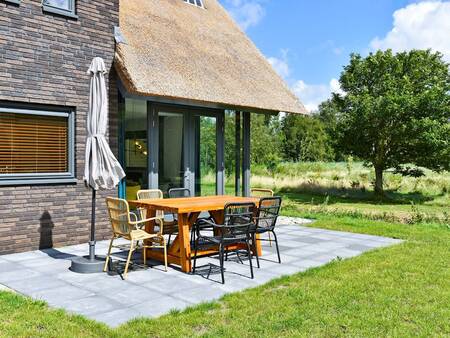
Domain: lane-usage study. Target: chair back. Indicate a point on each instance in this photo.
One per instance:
(238, 219)
(258, 192)
(148, 194)
(268, 212)
(179, 192)
(119, 215)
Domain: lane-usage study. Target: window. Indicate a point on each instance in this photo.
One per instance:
(36, 146)
(198, 3)
(15, 2)
(63, 7)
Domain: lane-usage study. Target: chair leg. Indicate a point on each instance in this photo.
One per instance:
(270, 240)
(108, 255)
(249, 252)
(144, 252)
(276, 244)
(130, 253)
(165, 254)
(195, 255)
(221, 254)
(255, 250)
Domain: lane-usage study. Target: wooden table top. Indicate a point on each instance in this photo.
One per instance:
(193, 204)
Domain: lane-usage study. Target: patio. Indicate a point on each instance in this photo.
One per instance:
(152, 292)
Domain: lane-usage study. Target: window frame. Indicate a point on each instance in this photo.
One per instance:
(60, 11)
(195, 3)
(14, 2)
(45, 178)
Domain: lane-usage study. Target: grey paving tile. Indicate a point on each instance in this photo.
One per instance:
(130, 295)
(90, 305)
(307, 264)
(285, 269)
(170, 285)
(58, 295)
(30, 285)
(346, 253)
(199, 294)
(359, 247)
(18, 274)
(23, 256)
(299, 253)
(118, 317)
(160, 306)
(7, 266)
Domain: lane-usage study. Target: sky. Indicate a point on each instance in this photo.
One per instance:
(308, 42)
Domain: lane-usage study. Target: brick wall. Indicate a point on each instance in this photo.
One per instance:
(43, 60)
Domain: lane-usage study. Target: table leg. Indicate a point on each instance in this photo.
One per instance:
(185, 242)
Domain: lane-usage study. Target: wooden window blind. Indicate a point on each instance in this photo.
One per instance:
(33, 144)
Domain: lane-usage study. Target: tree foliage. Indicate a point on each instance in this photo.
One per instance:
(305, 139)
(396, 110)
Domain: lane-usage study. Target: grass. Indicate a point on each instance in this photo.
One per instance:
(402, 290)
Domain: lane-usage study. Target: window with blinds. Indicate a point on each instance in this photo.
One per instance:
(35, 144)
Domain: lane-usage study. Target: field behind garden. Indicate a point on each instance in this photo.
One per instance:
(346, 189)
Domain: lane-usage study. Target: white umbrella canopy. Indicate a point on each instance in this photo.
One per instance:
(102, 170)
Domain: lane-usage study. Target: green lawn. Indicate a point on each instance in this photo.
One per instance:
(402, 290)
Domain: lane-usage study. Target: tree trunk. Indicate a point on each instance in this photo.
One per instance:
(379, 181)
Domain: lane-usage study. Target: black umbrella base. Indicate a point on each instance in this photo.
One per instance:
(86, 265)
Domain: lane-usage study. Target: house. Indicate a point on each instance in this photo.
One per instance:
(177, 68)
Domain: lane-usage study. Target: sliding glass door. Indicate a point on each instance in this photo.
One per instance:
(188, 150)
(171, 166)
(166, 146)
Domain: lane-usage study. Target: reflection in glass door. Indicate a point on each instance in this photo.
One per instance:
(135, 146)
(171, 155)
(205, 149)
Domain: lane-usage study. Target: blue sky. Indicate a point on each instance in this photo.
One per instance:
(309, 41)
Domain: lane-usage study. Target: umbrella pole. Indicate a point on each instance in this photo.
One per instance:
(89, 263)
(92, 240)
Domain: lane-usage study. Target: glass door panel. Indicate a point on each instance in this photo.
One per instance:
(135, 146)
(205, 149)
(171, 155)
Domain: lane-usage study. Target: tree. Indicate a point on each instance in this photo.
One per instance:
(328, 113)
(305, 139)
(396, 110)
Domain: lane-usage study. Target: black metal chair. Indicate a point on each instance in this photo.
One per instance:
(266, 219)
(179, 193)
(236, 229)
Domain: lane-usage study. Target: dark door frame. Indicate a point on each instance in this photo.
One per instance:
(189, 164)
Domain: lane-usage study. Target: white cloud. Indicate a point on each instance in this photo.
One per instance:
(281, 64)
(419, 26)
(311, 95)
(247, 13)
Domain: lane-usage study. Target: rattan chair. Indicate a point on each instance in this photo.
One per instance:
(124, 227)
(266, 219)
(170, 227)
(236, 229)
(259, 192)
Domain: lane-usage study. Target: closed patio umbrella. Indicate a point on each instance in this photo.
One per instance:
(102, 171)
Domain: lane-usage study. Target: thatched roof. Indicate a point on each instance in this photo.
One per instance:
(179, 51)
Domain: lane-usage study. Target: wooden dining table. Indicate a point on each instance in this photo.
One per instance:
(188, 210)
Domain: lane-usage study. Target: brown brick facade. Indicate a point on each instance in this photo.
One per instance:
(43, 60)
